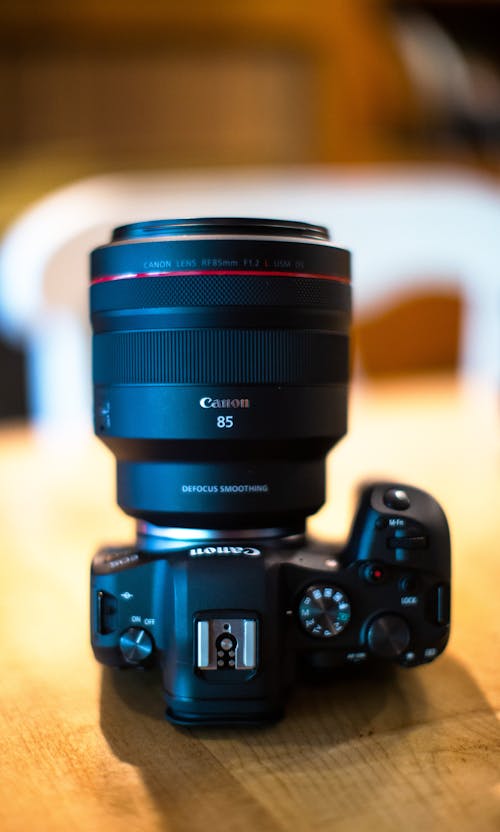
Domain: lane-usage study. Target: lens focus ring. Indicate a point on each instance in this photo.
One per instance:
(220, 356)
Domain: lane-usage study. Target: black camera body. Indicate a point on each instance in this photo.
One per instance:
(232, 622)
(220, 371)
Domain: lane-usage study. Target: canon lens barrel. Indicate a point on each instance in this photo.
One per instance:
(220, 368)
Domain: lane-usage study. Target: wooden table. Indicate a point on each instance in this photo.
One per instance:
(86, 748)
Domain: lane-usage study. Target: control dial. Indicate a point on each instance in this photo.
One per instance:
(324, 610)
(388, 636)
(136, 645)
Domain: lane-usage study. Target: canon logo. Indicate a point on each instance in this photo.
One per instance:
(224, 550)
(224, 404)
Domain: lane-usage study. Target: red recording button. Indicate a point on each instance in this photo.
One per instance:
(374, 573)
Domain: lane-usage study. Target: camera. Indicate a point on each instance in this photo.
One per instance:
(220, 368)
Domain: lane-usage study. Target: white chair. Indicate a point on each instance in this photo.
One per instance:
(401, 224)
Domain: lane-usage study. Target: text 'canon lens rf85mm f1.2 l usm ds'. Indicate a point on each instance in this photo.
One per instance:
(220, 367)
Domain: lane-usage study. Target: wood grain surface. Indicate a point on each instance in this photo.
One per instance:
(84, 747)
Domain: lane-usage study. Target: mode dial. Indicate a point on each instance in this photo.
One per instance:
(324, 610)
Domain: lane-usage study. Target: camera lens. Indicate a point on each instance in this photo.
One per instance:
(220, 368)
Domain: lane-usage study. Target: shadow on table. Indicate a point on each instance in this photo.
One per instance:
(204, 777)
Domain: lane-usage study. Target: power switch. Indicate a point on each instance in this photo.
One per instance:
(136, 645)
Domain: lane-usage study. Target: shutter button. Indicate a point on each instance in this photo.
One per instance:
(396, 499)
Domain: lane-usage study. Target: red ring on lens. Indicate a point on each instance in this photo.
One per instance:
(210, 272)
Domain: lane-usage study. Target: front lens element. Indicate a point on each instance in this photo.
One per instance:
(220, 362)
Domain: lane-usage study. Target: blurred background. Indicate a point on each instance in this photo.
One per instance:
(393, 93)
